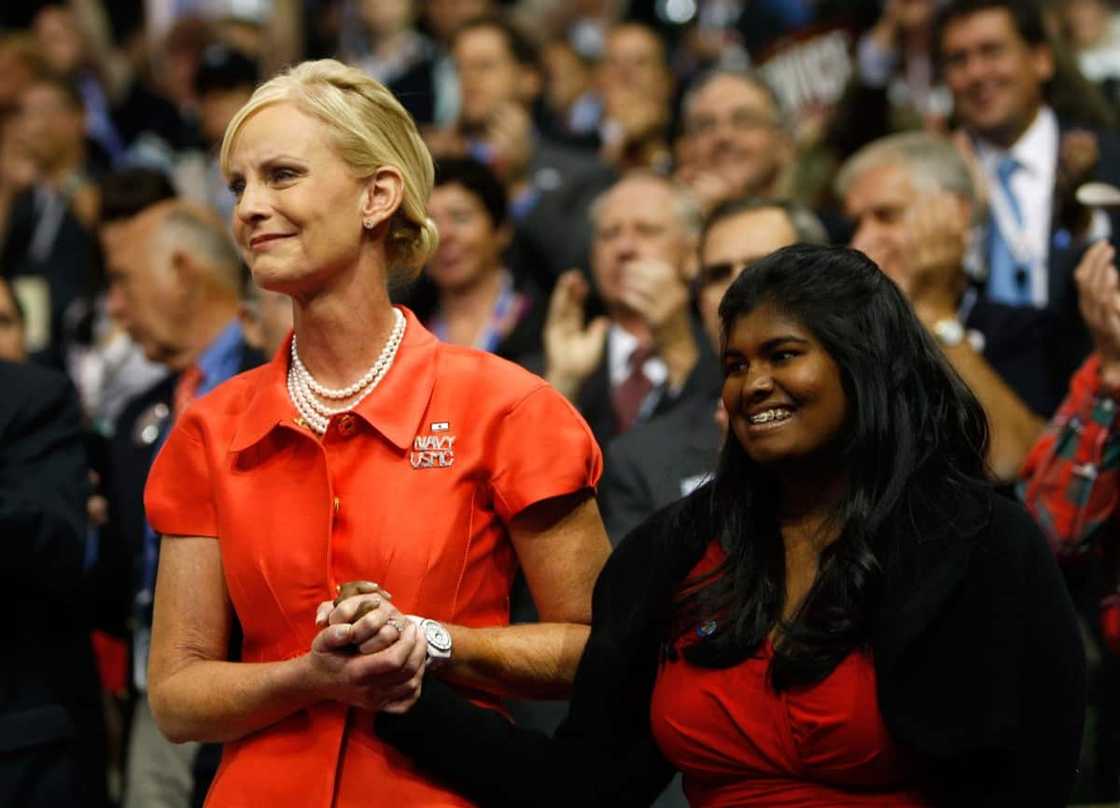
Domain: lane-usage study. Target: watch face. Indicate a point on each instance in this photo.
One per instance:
(949, 332)
(437, 636)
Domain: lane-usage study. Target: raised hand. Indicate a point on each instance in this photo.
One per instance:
(572, 349)
(937, 231)
(1078, 154)
(1099, 298)
(509, 134)
(709, 188)
(655, 289)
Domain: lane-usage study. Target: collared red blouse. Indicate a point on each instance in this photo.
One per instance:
(414, 489)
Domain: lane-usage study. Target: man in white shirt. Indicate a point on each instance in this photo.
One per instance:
(997, 62)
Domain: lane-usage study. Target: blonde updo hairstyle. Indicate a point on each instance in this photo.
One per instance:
(369, 129)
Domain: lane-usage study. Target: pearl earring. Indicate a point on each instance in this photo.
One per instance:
(368, 224)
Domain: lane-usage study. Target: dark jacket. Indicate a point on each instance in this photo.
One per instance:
(595, 404)
(52, 738)
(980, 674)
(656, 463)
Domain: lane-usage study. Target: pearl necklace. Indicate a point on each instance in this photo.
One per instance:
(305, 391)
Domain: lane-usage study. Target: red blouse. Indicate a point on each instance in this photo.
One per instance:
(415, 489)
(737, 742)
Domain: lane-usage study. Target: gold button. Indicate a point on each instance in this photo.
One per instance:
(346, 425)
(337, 504)
(300, 422)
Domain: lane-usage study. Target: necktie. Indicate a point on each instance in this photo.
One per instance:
(629, 395)
(186, 390)
(1008, 280)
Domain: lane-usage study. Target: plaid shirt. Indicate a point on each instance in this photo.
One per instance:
(1071, 478)
(1071, 483)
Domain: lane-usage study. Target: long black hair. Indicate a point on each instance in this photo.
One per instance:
(914, 443)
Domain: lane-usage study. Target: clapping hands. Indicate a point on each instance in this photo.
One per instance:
(1098, 289)
(937, 233)
(572, 348)
(367, 653)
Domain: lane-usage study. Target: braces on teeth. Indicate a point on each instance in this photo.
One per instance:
(770, 415)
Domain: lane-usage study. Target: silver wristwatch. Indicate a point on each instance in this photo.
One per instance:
(437, 637)
(949, 332)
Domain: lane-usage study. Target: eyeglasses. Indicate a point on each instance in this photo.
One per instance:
(720, 272)
(741, 120)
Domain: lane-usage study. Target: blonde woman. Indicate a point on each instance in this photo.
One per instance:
(365, 450)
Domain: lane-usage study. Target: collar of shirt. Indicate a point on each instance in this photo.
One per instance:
(620, 344)
(221, 359)
(394, 409)
(1036, 150)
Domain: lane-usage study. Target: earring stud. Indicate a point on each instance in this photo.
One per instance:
(368, 224)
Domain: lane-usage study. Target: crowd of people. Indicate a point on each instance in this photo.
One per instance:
(643, 355)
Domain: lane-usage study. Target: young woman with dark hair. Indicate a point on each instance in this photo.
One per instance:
(846, 614)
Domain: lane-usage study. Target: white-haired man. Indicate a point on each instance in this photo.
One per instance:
(647, 353)
(912, 200)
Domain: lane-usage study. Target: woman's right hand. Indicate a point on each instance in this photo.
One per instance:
(376, 674)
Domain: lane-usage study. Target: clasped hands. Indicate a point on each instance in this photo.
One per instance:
(367, 653)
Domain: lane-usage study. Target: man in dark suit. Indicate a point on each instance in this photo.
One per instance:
(664, 459)
(911, 198)
(997, 62)
(648, 353)
(52, 737)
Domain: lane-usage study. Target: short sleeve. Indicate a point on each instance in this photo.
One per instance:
(542, 449)
(179, 498)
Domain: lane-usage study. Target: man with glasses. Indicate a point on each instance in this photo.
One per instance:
(735, 142)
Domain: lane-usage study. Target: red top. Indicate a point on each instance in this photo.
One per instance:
(738, 743)
(413, 489)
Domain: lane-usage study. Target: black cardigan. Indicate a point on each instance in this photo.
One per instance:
(981, 674)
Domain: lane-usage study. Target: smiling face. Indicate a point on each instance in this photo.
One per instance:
(298, 216)
(489, 75)
(782, 391)
(470, 247)
(733, 130)
(634, 58)
(995, 75)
